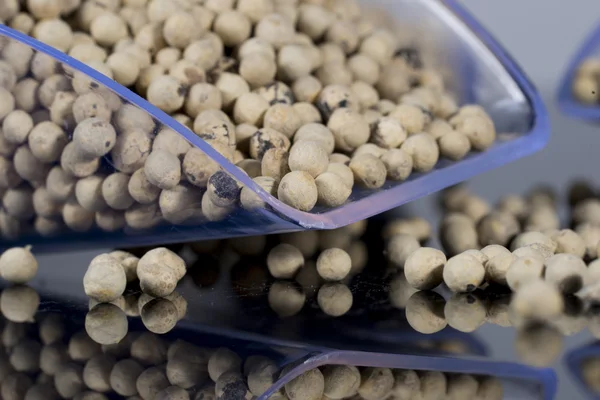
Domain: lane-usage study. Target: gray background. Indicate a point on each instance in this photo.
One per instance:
(537, 34)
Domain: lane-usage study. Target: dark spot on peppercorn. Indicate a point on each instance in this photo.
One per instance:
(234, 391)
(411, 55)
(94, 85)
(471, 288)
(324, 110)
(107, 144)
(181, 90)
(571, 284)
(225, 186)
(471, 299)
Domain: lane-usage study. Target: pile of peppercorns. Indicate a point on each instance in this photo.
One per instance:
(511, 265)
(308, 98)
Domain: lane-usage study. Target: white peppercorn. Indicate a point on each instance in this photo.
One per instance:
(47, 227)
(308, 156)
(7, 149)
(150, 382)
(156, 279)
(232, 86)
(275, 29)
(424, 268)
(163, 169)
(276, 93)
(376, 383)
(28, 166)
(124, 375)
(463, 273)
(51, 329)
(167, 56)
(570, 242)
(334, 264)
(221, 361)
(284, 261)
(498, 266)
(369, 171)
(159, 316)
(52, 357)
(387, 133)
(172, 393)
(8, 78)
(10, 227)
(425, 312)
(315, 132)
(19, 303)
(202, 96)
(90, 396)
(251, 167)
(490, 388)
(115, 192)
(106, 324)
(68, 381)
(307, 112)
(433, 384)
(94, 137)
(286, 299)
(233, 27)
(13, 333)
(255, 10)
(523, 270)
(400, 247)
(108, 28)
(250, 200)
(18, 265)
(15, 386)
(335, 299)
(332, 191)
(465, 312)
(96, 372)
(398, 163)
(566, 271)
(8, 102)
(59, 184)
(538, 300)
(16, 126)
(50, 87)
(539, 344)
(275, 164)
(298, 190)
(18, 55)
(166, 93)
(188, 368)
(261, 375)
(54, 32)
(349, 129)
(148, 348)
(47, 141)
(310, 386)
(18, 202)
(88, 192)
(341, 381)
(250, 108)
(105, 279)
(479, 129)
(407, 384)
